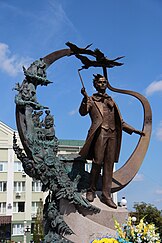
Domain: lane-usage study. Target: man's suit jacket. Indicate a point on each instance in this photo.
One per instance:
(93, 106)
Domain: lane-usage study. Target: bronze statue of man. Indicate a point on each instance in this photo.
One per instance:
(103, 142)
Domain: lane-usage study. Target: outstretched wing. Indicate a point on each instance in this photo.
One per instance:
(77, 50)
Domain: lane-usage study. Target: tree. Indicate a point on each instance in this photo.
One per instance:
(150, 213)
(38, 234)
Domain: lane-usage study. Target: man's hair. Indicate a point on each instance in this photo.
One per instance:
(96, 78)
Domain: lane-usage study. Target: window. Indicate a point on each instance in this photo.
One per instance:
(35, 206)
(18, 207)
(18, 166)
(19, 186)
(36, 186)
(2, 207)
(3, 166)
(17, 229)
(3, 186)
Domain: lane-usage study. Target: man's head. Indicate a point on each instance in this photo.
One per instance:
(100, 83)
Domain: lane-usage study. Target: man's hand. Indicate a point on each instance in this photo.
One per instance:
(84, 93)
(139, 132)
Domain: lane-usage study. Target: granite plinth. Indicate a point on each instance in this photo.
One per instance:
(88, 226)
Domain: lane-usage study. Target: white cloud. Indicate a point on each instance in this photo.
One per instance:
(54, 21)
(158, 191)
(155, 86)
(159, 132)
(139, 177)
(60, 15)
(44, 24)
(9, 63)
(73, 112)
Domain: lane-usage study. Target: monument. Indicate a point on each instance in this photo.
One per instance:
(64, 176)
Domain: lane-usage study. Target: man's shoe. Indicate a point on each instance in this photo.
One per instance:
(90, 195)
(108, 201)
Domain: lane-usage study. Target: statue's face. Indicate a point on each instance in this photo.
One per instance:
(26, 95)
(101, 84)
(49, 122)
(28, 92)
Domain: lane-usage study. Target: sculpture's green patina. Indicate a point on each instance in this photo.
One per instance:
(41, 162)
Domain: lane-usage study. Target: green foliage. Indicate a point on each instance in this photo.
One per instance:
(38, 233)
(150, 213)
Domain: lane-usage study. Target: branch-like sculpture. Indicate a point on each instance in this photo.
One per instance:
(41, 161)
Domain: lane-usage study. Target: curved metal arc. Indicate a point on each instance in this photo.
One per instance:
(126, 173)
(54, 56)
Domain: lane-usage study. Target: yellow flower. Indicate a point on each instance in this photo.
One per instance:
(129, 221)
(132, 231)
(106, 240)
(119, 229)
(142, 231)
(146, 228)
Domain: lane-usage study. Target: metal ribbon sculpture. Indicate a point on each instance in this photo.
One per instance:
(127, 172)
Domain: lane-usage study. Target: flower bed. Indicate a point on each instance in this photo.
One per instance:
(130, 233)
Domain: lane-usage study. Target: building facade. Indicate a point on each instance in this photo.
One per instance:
(20, 196)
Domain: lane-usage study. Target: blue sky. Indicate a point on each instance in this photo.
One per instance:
(32, 29)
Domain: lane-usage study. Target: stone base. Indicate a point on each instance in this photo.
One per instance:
(88, 226)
